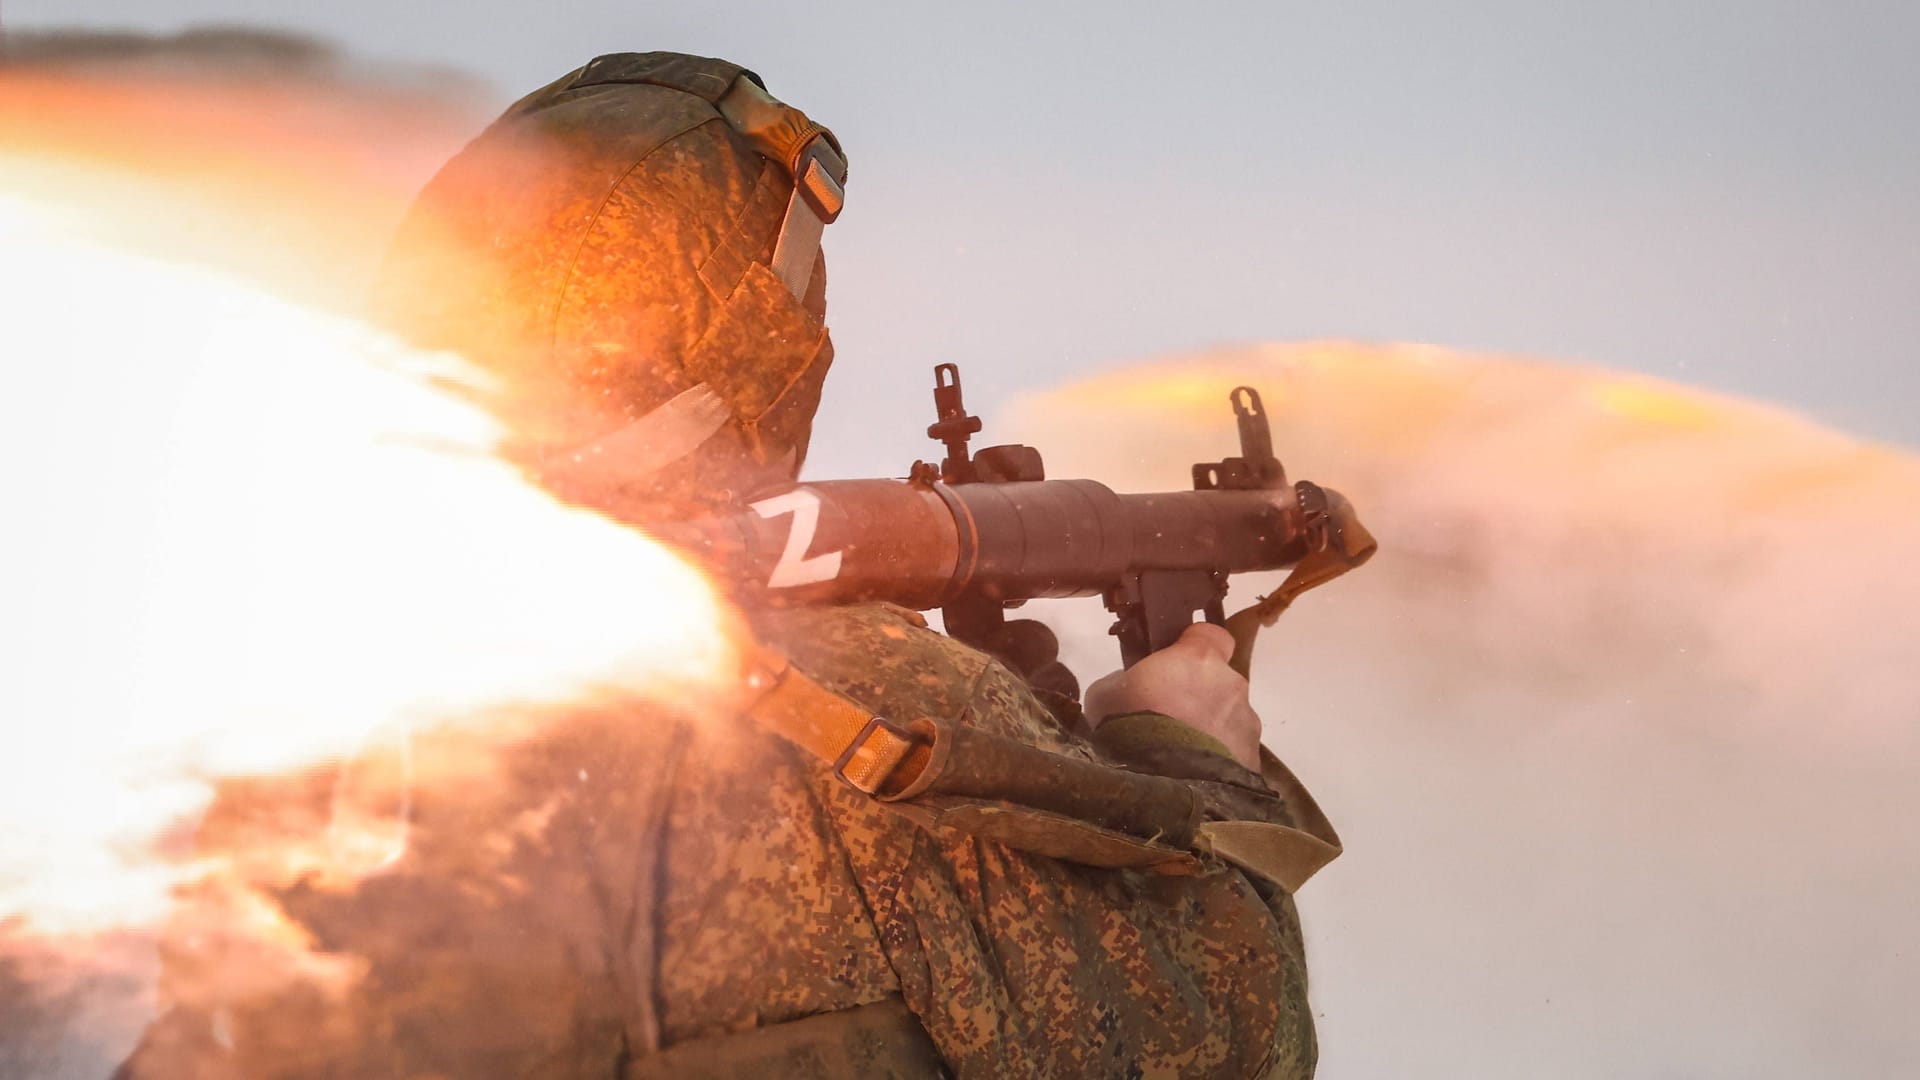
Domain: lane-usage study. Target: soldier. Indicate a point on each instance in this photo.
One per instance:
(649, 892)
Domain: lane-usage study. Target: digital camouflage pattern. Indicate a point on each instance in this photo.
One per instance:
(633, 880)
(1026, 966)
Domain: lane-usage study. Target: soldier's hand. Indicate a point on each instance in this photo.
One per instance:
(1190, 681)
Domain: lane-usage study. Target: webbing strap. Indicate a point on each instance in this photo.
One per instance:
(882, 1040)
(1288, 855)
(799, 241)
(1341, 543)
(867, 751)
(811, 156)
(1083, 811)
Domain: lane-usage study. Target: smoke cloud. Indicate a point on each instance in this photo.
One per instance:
(1620, 726)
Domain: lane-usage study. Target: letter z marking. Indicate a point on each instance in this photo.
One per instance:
(795, 566)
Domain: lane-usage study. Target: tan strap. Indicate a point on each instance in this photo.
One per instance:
(866, 749)
(1341, 544)
(971, 762)
(1285, 855)
(799, 242)
(812, 157)
(891, 761)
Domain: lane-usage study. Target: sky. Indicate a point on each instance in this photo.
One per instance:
(1716, 193)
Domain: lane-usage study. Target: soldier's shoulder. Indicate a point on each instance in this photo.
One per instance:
(888, 659)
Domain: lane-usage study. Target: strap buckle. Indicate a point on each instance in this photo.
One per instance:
(883, 760)
(817, 176)
(818, 196)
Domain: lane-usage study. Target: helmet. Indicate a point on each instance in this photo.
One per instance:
(626, 257)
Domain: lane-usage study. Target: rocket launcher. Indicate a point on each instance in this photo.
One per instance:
(984, 532)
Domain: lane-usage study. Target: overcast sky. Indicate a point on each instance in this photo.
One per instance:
(1719, 193)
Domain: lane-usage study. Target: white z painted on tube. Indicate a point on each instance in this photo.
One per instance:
(795, 566)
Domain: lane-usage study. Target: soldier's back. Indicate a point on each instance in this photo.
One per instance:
(627, 882)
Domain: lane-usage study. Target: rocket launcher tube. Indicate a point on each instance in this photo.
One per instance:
(986, 531)
(925, 545)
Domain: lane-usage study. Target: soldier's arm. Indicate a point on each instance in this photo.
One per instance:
(1188, 683)
(1185, 713)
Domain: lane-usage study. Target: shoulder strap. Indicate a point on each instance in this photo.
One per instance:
(867, 751)
(947, 774)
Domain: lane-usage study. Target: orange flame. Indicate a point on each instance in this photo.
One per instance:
(250, 536)
(252, 548)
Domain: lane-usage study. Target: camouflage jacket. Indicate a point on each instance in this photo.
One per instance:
(631, 881)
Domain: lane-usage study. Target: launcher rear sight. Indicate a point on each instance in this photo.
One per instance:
(953, 427)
